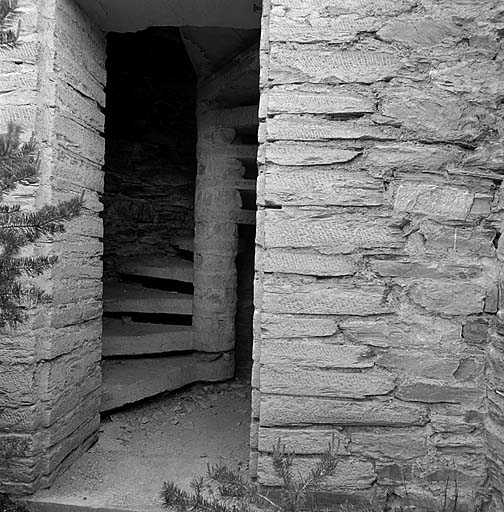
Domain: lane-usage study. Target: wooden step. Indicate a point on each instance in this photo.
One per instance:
(158, 266)
(129, 380)
(136, 338)
(134, 298)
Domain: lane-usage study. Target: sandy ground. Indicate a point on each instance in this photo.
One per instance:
(172, 437)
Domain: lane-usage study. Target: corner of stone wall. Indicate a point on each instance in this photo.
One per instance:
(50, 376)
(264, 52)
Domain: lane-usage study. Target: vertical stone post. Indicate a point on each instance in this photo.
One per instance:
(215, 237)
(50, 365)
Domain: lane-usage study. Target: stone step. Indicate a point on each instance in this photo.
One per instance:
(159, 266)
(138, 338)
(130, 380)
(135, 298)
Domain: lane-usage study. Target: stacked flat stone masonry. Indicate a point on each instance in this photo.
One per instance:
(378, 274)
(50, 377)
(150, 160)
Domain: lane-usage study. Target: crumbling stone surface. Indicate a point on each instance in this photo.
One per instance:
(378, 297)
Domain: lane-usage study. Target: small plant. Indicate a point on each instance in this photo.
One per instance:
(223, 490)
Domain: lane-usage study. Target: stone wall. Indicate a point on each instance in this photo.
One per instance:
(378, 261)
(150, 162)
(52, 84)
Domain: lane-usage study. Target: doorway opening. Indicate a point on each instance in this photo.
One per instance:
(159, 287)
(179, 237)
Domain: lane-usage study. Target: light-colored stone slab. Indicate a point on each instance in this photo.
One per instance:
(158, 266)
(293, 411)
(324, 383)
(135, 338)
(127, 381)
(334, 231)
(132, 298)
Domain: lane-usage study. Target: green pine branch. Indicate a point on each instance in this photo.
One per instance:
(20, 228)
(18, 161)
(48, 220)
(27, 266)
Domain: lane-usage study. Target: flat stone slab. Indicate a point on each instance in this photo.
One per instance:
(134, 298)
(130, 380)
(158, 266)
(137, 338)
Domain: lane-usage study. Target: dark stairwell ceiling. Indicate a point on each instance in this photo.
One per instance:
(214, 31)
(134, 15)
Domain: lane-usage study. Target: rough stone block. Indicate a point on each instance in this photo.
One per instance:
(450, 298)
(303, 441)
(409, 330)
(331, 66)
(409, 157)
(443, 202)
(324, 187)
(296, 326)
(394, 444)
(424, 364)
(324, 383)
(282, 296)
(439, 392)
(460, 240)
(309, 154)
(306, 99)
(307, 128)
(315, 354)
(13, 446)
(352, 473)
(333, 231)
(423, 32)
(308, 263)
(17, 384)
(306, 411)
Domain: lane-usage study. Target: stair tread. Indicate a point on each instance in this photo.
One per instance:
(135, 298)
(158, 266)
(127, 381)
(116, 327)
(138, 338)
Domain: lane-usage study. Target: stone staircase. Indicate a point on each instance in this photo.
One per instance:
(142, 358)
(147, 325)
